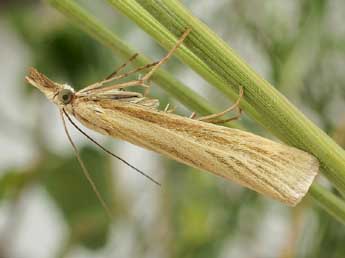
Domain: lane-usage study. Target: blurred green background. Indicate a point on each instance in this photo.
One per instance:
(47, 208)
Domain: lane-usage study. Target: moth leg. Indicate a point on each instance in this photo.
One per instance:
(123, 66)
(114, 76)
(217, 115)
(138, 69)
(192, 116)
(154, 65)
(147, 90)
(222, 121)
(147, 76)
(166, 58)
(214, 117)
(167, 107)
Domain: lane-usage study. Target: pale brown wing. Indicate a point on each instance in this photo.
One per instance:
(276, 170)
(123, 96)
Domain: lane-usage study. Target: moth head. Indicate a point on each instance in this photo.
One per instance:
(60, 94)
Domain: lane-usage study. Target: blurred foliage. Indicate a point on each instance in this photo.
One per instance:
(58, 52)
(69, 188)
(202, 214)
(12, 182)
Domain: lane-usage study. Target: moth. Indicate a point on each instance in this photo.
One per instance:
(276, 170)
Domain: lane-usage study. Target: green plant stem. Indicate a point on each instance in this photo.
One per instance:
(190, 99)
(328, 201)
(208, 55)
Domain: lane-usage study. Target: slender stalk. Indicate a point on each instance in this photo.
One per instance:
(329, 202)
(207, 54)
(186, 96)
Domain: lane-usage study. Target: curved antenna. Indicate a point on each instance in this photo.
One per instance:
(85, 171)
(108, 151)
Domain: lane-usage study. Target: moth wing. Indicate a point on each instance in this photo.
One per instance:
(276, 170)
(126, 96)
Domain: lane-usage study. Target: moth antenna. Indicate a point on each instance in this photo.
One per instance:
(108, 151)
(84, 169)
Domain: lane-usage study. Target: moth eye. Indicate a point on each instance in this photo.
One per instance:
(65, 96)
